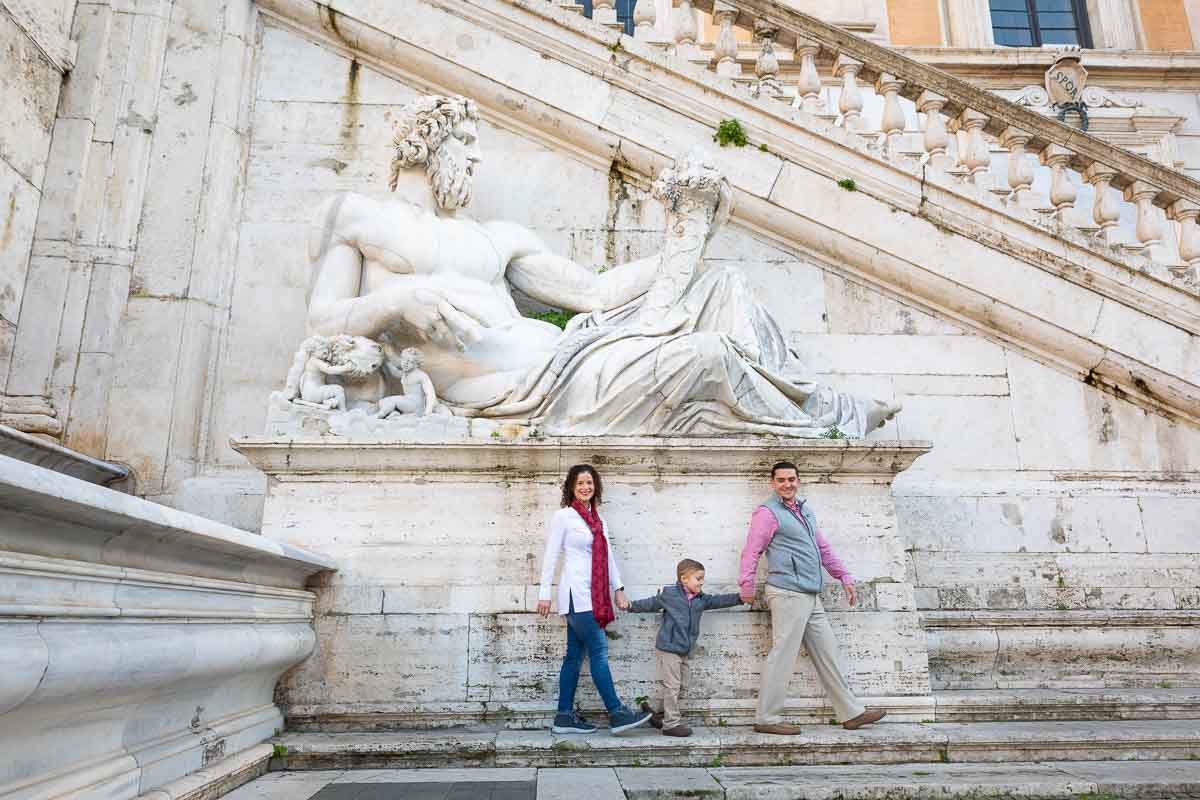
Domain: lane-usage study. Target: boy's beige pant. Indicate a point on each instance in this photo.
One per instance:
(671, 667)
(799, 618)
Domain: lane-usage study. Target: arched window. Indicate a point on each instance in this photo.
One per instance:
(1033, 23)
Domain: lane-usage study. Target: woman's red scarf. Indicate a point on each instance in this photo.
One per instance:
(602, 606)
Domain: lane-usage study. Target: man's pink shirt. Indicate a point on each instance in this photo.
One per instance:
(762, 529)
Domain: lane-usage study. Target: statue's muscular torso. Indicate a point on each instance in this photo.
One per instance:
(362, 246)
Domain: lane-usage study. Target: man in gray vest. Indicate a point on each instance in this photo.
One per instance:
(786, 529)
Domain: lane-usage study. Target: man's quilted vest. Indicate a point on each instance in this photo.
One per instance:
(793, 558)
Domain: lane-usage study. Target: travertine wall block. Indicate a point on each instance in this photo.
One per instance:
(29, 103)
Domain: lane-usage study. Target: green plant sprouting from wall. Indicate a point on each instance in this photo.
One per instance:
(730, 132)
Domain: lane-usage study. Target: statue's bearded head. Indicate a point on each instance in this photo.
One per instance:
(439, 133)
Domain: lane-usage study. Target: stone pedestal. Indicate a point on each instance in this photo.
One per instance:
(429, 619)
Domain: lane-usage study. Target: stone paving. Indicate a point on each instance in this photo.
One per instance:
(1112, 780)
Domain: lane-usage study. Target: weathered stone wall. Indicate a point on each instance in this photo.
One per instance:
(29, 96)
(121, 307)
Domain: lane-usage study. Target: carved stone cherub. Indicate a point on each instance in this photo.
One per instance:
(419, 395)
(319, 356)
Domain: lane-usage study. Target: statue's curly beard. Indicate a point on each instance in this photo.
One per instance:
(450, 178)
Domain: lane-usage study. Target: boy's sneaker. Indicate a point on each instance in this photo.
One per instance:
(626, 719)
(655, 717)
(678, 730)
(572, 723)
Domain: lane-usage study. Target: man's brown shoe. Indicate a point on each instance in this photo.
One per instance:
(865, 718)
(678, 730)
(779, 728)
(655, 717)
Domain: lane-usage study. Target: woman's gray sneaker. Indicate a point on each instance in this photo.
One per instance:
(572, 723)
(625, 719)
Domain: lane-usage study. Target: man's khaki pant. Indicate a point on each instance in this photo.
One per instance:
(671, 667)
(798, 618)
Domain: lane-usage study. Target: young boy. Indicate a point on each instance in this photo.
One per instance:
(681, 604)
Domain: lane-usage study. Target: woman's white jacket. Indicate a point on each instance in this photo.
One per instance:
(571, 538)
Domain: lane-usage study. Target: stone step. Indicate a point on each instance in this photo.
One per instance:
(1019, 705)
(1113, 780)
(885, 743)
(969, 705)
(1045, 781)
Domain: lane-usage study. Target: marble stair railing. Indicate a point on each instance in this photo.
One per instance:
(912, 111)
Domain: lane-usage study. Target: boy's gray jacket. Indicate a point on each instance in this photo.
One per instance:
(681, 620)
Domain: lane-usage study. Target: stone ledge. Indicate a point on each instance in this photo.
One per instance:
(217, 779)
(980, 705)
(41, 453)
(1124, 69)
(886, 743)
(1023, 705)
(359, 717)
(336, 458)
(50, 587)
(1060, 619)
(84, 522)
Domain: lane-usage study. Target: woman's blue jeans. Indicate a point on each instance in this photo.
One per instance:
(585, 635)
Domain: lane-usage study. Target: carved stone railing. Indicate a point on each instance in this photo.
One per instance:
(959, 126)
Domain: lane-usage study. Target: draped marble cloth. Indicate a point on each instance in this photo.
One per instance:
(695, 355)
(715, 363)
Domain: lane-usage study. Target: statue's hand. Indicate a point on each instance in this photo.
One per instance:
(434, 318)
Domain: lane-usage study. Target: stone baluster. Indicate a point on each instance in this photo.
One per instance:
(1184, 213)
(959, 170)
(1020, 171)
(766, 67)
(605, 12)
(893, 121)
(934, 138)
(683, 27)
(726, 48)
(1062, 191)
(808, 87)
(645, 17)
(1148, 230)
(850, 101)
(975, 157)
(1106, 211)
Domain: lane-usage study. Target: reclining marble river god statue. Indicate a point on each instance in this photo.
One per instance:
(659, 346)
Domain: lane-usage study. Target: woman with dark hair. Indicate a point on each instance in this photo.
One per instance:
(589, 575)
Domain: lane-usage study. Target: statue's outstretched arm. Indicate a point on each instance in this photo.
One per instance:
(561, 282)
